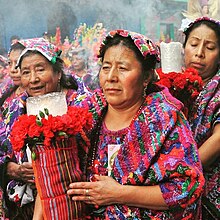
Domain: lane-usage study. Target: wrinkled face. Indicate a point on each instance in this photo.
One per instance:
(37, 76)
(121, 77)
(12, 61)
(78, 62)
(202, 51)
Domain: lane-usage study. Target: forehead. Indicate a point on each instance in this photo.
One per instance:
(204, 32)
(14, 53)
(33, 59)
(119, 52)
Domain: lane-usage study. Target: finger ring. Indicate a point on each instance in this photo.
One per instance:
(89, 198)
(87, 192)
(33, 177)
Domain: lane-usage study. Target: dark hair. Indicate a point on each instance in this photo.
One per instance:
(212, 25)
(14, 37)
(147, 63)
(3, 63)
(66, 81)
(16, 46)
(79, 52)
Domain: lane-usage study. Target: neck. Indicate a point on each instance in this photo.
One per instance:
(19, 90)
(117, 119)
(81, 73)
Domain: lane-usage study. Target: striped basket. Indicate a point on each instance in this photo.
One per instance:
(54, 169)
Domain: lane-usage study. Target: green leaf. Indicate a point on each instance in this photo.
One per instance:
(62, 133)
(33, 155)
(39, 122)
(42, 115)
(46, 111)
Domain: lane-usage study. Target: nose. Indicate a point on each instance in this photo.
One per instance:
(33, 77)
(113, 74)
(200, 51)
(13, 70)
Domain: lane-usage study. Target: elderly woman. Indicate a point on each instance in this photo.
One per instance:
(79, 68)
(202, 52)
(41, 73)
(144, 163)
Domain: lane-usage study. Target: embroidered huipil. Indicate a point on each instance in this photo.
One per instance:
(203, 116)
(156, 149)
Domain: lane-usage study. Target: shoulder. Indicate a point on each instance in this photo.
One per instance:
(161, 99)
(162, 111)
(95, 102)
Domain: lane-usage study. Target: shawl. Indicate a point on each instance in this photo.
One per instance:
(156, 149)
(203, 116)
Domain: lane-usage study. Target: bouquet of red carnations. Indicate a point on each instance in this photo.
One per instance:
(54, 142)
(184, 86)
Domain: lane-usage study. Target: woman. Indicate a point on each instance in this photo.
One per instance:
(41, 73)
(202, 52)
(12, 88)
(79, 69)
(3, 69)
(144, 163)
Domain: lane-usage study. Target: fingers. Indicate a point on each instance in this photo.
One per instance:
(25, 172)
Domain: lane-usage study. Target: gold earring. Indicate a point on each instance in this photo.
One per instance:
(145, 91)
(58, 86)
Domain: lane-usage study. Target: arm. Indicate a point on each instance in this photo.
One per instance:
(210, 149)
(38, 212)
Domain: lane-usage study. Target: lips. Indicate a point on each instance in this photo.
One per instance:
(16, 78)
(37, 88)
(112, 89)
(197, 65)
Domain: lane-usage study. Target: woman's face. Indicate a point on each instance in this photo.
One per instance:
(121, 77)
(78, 62)
(37, 76)
(202, 51)
(13, 72)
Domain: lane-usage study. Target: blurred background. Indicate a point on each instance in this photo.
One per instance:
(158, 19)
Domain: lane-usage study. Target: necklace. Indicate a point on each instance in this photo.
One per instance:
(92, 164)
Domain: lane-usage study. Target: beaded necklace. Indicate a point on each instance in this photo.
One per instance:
(92, 164)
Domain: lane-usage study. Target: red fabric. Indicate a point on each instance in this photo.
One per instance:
(54, 170)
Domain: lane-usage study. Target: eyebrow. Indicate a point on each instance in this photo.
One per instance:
(206, 40)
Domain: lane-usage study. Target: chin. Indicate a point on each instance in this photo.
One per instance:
(36, 93)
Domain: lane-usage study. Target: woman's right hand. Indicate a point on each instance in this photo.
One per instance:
(22, 171)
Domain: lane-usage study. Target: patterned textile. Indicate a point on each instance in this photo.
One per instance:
(189, 26)
(5, 86)
(55, 168)
(156, 149)
(48, 50)
(203, 116)
(16, 108)
(144, 44)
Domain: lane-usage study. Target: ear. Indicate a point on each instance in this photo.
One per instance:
(145, 83)
(59, 75)
(148, 78)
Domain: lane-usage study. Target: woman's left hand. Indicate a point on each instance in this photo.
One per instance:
(103, 191)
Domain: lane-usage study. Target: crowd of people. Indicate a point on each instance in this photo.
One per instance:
(145, 159)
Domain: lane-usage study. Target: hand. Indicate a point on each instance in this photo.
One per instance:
(104, 191)
(26, 172)
(22, 171)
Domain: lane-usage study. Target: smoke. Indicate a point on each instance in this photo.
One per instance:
(29, 19)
